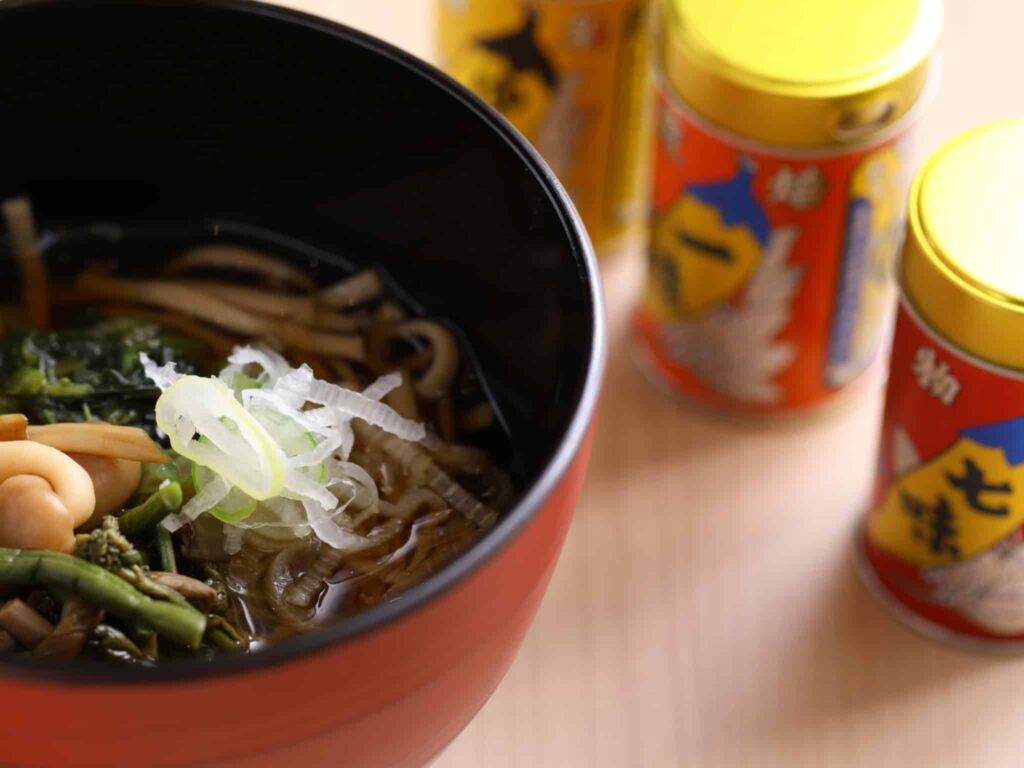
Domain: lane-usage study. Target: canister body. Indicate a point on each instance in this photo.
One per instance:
(779, 185)
(943, 543)
(572, 76)
(769, 283)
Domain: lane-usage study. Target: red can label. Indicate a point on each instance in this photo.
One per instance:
(944, 534)
(769, 285)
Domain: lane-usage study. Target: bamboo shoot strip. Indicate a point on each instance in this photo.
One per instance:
(13, 426)
(94, 439)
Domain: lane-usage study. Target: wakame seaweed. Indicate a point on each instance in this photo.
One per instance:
(89, 370)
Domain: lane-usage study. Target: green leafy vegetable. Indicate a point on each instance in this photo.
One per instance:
(89, 371)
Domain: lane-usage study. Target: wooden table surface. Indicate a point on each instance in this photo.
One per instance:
(705, 611)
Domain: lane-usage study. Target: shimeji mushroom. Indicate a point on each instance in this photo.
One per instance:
(44, 496)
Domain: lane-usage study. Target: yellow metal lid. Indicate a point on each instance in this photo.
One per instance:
(963, 262)
(799, 72)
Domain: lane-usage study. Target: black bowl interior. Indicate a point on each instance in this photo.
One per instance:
(198, 112)
(173, 117)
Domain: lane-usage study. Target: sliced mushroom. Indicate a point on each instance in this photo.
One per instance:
(24, 623)
(78, 619)
(196, 591)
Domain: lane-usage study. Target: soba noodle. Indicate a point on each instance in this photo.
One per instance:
(200, 557)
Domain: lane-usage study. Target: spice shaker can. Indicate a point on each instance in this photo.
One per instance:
(943, 544)
(780, 180)
(572, 76)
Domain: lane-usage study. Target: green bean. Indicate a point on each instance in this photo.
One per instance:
(151, 646)
(139, 634)
(150, 512)
(216, 580)
(113, 642)
(220, 639)
(221, 633)
(165, 550)
(178, 622)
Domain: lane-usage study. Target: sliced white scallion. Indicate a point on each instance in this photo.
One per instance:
(236, 446)
(233, 507)
(357, 405)
(161, 375)
(270, 443)
(383, 386)
(204, 501)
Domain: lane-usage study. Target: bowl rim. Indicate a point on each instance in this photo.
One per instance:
(569, 444)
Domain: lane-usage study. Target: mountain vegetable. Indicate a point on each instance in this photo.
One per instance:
(148, 514)
(88, 371)
(316, 473)
(178, 622)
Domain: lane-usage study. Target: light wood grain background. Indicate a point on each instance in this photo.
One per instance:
(705, 612)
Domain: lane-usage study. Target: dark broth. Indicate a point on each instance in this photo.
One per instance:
(277, 586)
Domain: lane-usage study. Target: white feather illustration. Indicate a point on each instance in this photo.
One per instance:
(734, 348)
(988, 588)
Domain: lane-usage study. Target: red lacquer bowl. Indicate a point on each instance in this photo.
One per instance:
(176, 116)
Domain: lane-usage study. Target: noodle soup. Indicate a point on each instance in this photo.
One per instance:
(208, 459)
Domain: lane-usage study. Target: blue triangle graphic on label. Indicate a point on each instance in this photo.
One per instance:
(736, 202)
(1008, 435)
